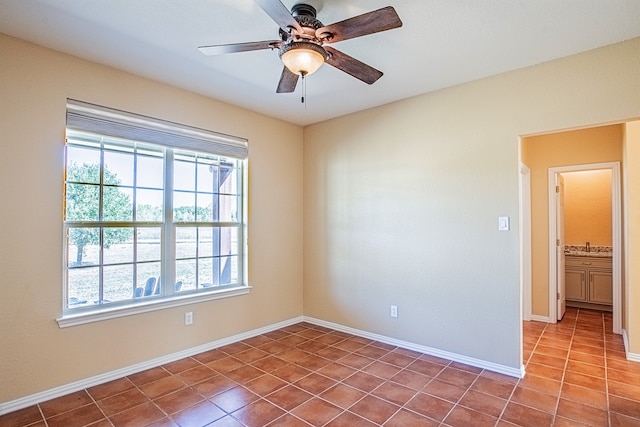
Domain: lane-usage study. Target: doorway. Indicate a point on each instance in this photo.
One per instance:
(555, 267)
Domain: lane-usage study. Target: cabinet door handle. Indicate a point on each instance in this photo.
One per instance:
(586, 263)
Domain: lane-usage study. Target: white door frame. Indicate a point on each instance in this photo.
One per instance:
(525, 240)
(561, 302)
(616, 231)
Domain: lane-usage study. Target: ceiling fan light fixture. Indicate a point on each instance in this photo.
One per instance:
(302, 58)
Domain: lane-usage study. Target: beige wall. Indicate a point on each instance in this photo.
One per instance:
(631, 189)
(587, 207)
(400, 207)
(401, 201)
(35, 354)
(585, 146)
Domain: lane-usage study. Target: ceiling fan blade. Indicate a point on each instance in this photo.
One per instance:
(352, 66)
(221, 49)
(368, 23)
(280, 14)
(288, 81)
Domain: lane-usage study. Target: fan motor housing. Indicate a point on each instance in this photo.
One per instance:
(305, 15)
(303, 9)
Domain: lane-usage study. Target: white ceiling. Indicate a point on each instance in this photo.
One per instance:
(442, 43)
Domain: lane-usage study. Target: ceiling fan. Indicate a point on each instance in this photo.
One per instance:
(303, 41)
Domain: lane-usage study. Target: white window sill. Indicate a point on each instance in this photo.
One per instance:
(113, 313)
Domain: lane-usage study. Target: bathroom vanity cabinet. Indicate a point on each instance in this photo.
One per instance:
(588, 282)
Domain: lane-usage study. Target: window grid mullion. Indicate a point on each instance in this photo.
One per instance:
(135, 214)
(168, 229)
(196, 218)
(101, 228)
(168, 237)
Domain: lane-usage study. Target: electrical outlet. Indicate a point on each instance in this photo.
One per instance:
(394, 311)
(188, 318)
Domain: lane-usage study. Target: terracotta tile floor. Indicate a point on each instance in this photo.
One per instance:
(305, 375)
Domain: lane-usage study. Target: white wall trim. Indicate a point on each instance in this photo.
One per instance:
(634, 357)
(525, 239)
(502, 369)
(538, 318)
(616, 236)
(23, 402)
(159, 304)
(625, 340)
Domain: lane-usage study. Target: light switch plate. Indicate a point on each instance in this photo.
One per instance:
(503, 223)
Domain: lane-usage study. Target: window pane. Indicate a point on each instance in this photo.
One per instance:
(149, 242)
(82, 286)
(228, 180)
(178, 286)
(118, 283)
(228, 241)
(117, 204)
(149, 205)
(184, 176)
(186, 273)
(184, 206)
(206, 176)
(83, 246)
(83, 165)
(118, 245)
(205, 241)
(186, 242)
(150, 172)
(204, 213)
(118, 168)
(148, 279)
(228, 270)
(82, 202)
(205, 273)
(228, 209)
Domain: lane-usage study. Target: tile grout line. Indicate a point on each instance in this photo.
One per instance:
(318, 395)
(461, 397)
(400, 407)
(515, 387)
(606, 369)
(416, 392)
(46, 423)
(566, 364)
(361, 370)
(385, 380)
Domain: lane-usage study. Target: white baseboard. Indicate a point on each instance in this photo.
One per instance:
(502, 369)
(14, 405)
(634, 357)
(537, 318)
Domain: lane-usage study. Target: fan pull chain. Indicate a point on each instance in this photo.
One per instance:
(304, 91)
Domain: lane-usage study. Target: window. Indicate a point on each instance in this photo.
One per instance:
(154, 212)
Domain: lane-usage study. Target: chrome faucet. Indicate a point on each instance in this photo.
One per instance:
(588, 247)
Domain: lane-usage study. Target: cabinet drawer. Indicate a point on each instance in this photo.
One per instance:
(589, 262)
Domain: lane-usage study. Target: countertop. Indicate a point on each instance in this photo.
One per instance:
(589, 254)
(594, 251)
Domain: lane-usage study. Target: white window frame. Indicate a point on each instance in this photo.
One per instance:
(82, 116)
